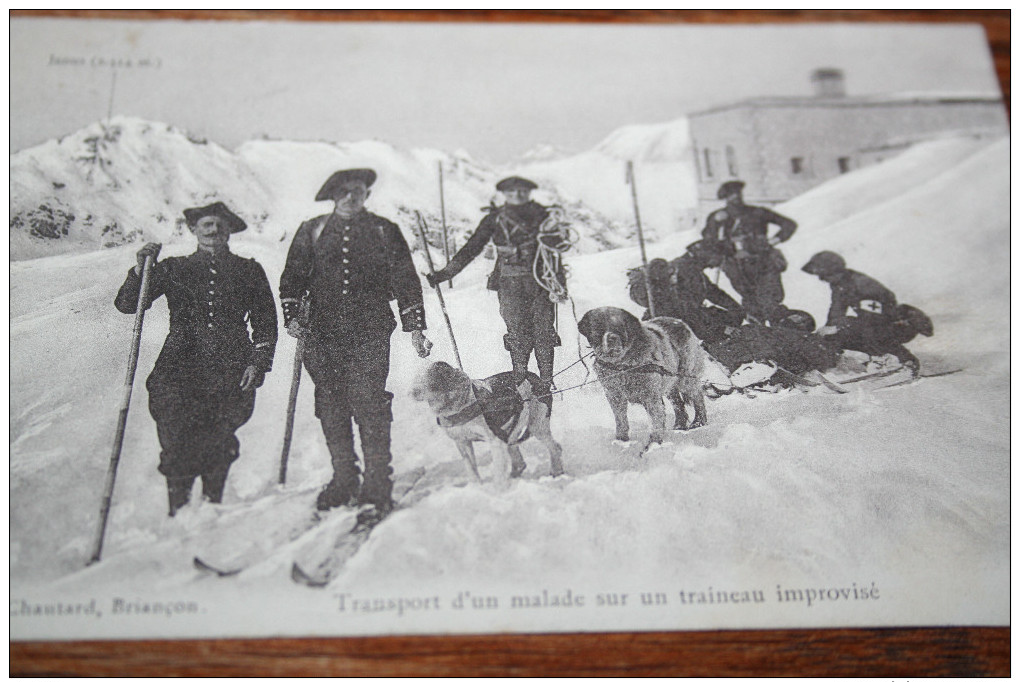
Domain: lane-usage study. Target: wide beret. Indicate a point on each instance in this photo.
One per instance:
(219, 209)
(366, 176)
(728, 188)
(515, 182)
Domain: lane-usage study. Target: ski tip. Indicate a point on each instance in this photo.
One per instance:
(209, 568)
(298, 575)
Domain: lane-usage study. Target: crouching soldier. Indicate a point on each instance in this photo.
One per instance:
(349, 264)
(519, 229)
(202, 388)
(864, 315)
(752, 263)
(681, 289)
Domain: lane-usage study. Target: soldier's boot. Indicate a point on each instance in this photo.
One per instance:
(179, 491)
(907, 359)
(213, 484)
(377, 488)
(342, 489)
(544, 356)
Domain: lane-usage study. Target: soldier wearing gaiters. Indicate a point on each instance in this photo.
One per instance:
(349, 264)
(202, 388)
(515, 228)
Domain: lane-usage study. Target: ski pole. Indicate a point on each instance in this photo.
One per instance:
(439, 292)
(442, 213)
(118, 439)
(288, 431)
(641, 238)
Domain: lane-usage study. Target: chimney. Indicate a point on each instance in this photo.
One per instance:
(828, 83)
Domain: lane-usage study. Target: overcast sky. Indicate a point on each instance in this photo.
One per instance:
(495, 90)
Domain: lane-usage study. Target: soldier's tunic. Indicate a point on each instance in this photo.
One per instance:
(350, 270)
(525, 307)
(684, 295)
(865, 313)
(194, 388)
(752, 265)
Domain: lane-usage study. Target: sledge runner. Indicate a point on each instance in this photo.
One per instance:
(864, 315)
(350, 264)
(682, 290)
(751, 261)
(202, 388)
(525, 244)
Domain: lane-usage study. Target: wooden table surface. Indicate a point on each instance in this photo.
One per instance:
(876, 652)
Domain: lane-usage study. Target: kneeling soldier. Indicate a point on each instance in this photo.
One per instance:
(202, 388)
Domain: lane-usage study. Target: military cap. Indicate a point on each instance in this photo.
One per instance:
(219, 209)
(515, 182)
(705, 248)
(365, 176)
(825, 263)
(728, 188)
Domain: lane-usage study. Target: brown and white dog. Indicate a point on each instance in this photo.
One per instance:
(494, 411)
(644, 362)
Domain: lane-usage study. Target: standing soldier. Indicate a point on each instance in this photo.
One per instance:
(863, 314)
(202, 388)
(348, 265)
(752, 263)
(528, 309)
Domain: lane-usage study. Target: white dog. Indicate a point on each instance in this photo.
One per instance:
(494, 411)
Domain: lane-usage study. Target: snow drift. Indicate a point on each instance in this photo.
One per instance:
(905, 488)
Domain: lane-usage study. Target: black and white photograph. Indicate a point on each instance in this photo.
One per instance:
(365, 328)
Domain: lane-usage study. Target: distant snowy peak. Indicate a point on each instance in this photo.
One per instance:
(117, 181)
(543, 152)
(653, 142)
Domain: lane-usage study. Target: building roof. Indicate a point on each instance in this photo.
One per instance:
(918, 98)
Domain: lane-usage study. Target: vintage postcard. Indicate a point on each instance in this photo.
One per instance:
(324, 329)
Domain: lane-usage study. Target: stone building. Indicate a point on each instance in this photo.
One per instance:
(783, 146)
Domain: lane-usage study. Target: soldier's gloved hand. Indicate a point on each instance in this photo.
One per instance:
(296, 329)
(150, 249)
(252, 378)
(827, 330)
(422, 346)
(436, 278)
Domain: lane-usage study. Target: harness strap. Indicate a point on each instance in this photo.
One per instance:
(473, 410)
(648, 368)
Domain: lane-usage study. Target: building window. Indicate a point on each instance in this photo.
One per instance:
(708, 164)
(844, 164)
(797, 165)
(731, 161)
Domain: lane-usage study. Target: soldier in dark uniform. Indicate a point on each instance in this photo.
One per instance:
(752, 263)
(681, 289)
(527, 309)
(350, 264)
(202, 388)
(863, 314)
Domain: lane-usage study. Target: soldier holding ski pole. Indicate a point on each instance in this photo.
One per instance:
(202, 388)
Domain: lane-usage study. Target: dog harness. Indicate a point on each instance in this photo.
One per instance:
(505, 407)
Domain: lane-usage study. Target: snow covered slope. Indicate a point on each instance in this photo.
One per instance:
(128, 180)
(905, 489)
